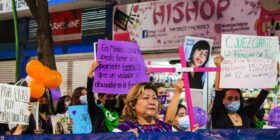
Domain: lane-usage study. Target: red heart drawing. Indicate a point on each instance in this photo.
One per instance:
(135, 9)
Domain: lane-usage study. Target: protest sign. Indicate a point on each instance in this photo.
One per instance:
(35, 112)
(197, 52)
(59, 123)
(14, 104)
(80, 118)
(121, 66)
(249, 61)
(274, 117)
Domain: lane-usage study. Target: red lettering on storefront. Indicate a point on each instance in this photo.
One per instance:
(206, 10)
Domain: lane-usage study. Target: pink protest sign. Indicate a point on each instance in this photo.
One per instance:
(121, 66)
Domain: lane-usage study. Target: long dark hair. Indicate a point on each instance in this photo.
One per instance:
(75, 100)
(240, 95)
(61, 108)
(201, 44)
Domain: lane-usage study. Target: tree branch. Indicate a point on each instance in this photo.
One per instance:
(33, 9)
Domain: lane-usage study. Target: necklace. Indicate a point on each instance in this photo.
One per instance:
(234, 117)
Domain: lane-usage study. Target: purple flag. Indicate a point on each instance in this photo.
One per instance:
(55, 93)
(121, 66)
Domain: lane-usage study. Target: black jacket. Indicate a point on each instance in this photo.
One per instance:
(220, 119)
(97, 116)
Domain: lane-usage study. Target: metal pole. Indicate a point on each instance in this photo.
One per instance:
(16, 39)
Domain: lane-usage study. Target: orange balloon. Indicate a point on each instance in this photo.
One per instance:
(52, 79)
(35, 69)
(46, 68)
(37, 88)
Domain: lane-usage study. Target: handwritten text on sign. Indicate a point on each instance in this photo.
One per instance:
(14, 104)
(250, 61)
(121, 66)
(81, 120)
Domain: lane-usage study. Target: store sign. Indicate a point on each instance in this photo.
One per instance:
(164, 24)
(249, 61)
(6, 5)
(66, 26)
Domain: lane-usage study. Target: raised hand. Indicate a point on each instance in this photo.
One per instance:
(218, 60)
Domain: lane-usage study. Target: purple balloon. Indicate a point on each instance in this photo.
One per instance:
(274, 117)
(200, 116)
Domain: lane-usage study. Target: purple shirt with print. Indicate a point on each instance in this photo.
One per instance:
(160, 126)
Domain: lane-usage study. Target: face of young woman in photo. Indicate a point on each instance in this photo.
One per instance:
(147, 104)
(199, 57)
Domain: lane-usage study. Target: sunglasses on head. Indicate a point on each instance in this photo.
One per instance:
(231, 98)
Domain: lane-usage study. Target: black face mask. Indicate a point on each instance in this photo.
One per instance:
(98, 102)
(44, 108)
(110, 104)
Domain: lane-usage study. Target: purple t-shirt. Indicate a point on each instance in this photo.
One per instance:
(160, 126)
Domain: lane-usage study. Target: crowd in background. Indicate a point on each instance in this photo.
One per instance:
(144, 109)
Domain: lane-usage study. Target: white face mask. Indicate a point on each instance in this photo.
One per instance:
(184, 122)
(83, 99)
(67, 103)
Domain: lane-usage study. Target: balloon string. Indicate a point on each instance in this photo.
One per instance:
(19, 81)
(22, 81)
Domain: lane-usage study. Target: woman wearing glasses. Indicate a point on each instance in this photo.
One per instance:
(228, 110)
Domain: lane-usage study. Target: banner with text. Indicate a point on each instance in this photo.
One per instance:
(161, 25)
(121, 66)
(249, 61)
(14, 104)
(66, 26)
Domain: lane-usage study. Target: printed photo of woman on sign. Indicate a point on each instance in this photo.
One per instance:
(197, 52)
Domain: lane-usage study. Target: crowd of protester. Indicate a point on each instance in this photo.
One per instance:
(143, 109)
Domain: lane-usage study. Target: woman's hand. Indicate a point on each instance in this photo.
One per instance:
(269, 89)
(135, 131)
(195, 128)
(148, 71)
(218, 60)
(94, 65)
(179, 85)
(69, 125)
(38, 131)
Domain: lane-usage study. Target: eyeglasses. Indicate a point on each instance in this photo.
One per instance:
(235, 98)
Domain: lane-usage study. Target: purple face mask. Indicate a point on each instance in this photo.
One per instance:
(162, 99)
